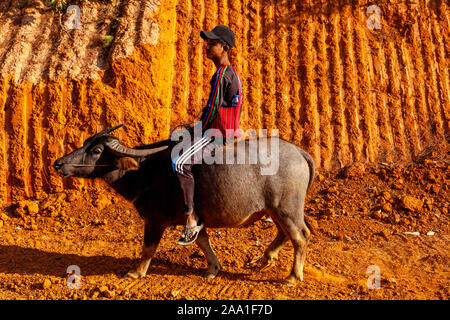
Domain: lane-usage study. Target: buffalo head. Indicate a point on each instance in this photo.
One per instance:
(100, 154)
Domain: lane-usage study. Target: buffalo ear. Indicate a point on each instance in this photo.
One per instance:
(127, 164)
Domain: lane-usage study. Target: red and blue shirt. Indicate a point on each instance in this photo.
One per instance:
(224, 107)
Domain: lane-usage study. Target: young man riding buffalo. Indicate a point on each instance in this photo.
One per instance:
(222, 113)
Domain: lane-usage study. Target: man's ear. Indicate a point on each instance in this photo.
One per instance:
(126, 164)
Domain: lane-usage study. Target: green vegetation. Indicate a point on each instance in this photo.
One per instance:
(59, 5)
(107, 41)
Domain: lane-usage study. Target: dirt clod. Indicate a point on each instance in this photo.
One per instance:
(411, 203)
(46, 284)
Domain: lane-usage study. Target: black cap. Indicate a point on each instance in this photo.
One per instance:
(222, 33)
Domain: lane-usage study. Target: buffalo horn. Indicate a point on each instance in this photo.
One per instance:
(118, 149)
(106, 131)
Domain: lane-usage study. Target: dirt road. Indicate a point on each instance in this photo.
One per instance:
(364, 215)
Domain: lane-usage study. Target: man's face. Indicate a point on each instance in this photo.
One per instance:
(214, 49)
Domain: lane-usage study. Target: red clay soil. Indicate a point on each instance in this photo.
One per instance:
(314, 70)
(371, 106)
(393, 216)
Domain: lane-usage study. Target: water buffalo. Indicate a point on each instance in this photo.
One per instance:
(226, 195)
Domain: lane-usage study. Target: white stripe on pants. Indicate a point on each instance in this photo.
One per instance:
(192, 150)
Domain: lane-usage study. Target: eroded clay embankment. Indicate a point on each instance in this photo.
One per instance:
(313, 70)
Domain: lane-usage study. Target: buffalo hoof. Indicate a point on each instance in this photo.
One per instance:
(267, 264)
(290, 281)
(255, 261)
(263, 263)
(133, 275)
(209, 275)
(211, 272)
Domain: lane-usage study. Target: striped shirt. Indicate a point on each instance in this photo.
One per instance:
(224, 106)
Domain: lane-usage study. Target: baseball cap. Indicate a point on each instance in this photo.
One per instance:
(220, 32)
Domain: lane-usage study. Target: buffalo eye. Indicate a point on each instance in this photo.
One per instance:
(97, 151)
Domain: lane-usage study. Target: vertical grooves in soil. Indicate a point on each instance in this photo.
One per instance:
(313, 70)
(393, 95)
(195, 45)
(430, 69)
(348, 85)
(341, 151)
(253, 83)
(15, 148)
(268, 67)
(3, 158)
(239, 52)
(442, 73)
(363, 73)
(421, 103)
(181, 67)
(294, 83)
(308, 114)
(323, 94)
(281, 65)
(409, 112)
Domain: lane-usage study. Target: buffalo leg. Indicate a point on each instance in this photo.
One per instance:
(213, 263)
(271, 253)
(152, 237)
(299, 234)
